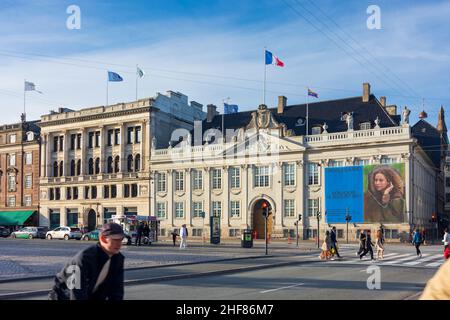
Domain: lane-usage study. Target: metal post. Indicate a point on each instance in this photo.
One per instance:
(265, 230)
(297, 234)
(318, 232)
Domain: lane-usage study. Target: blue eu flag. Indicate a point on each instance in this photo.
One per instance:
(230, 108)
(114, 77)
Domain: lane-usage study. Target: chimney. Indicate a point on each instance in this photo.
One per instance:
(282, 100)
(383, 101)
(211, 112)
(366, 92)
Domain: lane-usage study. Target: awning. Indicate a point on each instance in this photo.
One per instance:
(14, 218)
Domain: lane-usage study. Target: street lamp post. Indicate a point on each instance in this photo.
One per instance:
(297, 223)
(319, 215)
(348, 218)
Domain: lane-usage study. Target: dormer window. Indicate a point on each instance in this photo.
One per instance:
(316, 130)
(365, 126)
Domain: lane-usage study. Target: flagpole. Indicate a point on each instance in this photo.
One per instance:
(307, 111)
(137, 81)
(265, 67)
(107, 93)
(24, 96)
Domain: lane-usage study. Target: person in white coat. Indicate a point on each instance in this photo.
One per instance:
(183, 235)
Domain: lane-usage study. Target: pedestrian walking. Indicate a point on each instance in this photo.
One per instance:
(362, 242)
(146, 233)
(446, 241)
(417, 241)
(368, 247)
(333, 239)
(183, 235)
(174, 237)
(326, 247)
(379, 243)
(140, 231)
(95, 273)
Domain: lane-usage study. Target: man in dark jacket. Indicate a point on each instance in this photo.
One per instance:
(333, 239)
(139, 231)
(368, 247)
(95, 273)
(362, 242)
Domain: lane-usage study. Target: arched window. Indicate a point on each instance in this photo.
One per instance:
(79, 167)
(130, 163)
(116, 164)
(61, 168)
(72, 168)
(97, 166)
(55, 169)
(110, 165)
(90, 166)
(137, 163)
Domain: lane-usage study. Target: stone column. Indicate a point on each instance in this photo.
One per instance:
(188, 188)
(103, 133)
(170, 193)
(207, 188)
(123, 160)
(300, 196)
(246, 211)
(83, 152)
(66, 154)
(43, 155)
(277, 189)
(226, 196)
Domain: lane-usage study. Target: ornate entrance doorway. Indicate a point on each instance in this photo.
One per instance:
(92, 220)
(259, 220)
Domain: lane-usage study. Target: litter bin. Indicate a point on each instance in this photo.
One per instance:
(247, 239)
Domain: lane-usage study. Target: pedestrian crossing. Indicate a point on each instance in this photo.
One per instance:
(428, 260)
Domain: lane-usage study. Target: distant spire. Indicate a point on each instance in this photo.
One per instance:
(441, 121)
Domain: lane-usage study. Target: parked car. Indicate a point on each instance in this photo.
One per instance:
(30, 233)
(93, 235)
(4, 232)
(65, 233)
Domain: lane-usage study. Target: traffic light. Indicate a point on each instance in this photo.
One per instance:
(265, 209)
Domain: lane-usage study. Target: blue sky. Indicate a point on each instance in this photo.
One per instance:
(211, 50)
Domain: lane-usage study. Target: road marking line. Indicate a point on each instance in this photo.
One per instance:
(271, 290)
(436, 256)
(435, 264)
(409, 257)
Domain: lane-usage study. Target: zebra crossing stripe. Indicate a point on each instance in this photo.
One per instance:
(435, 264)
(409, 257)
(432, 257)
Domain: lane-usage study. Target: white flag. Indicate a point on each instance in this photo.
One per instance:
(30, 86)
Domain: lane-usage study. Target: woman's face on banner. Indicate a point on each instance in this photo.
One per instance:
(380, 182)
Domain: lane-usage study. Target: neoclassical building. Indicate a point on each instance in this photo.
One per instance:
(95, 161)
(358, 158)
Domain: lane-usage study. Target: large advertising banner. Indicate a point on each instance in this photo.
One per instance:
(370, 194)
(344, 193)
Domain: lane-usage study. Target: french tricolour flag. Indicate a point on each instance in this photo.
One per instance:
(272, 59)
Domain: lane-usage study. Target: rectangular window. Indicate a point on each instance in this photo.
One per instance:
(138, 135)
(316, 130)
(61, 143)
(289, 208)
(197, 232)
(234, 232)
(11, 201)
(28, 201)
(336, 163)
(365, 126)
(179, 209)
(106, 192)
(386, 160)
(11, 182)
(86, 192)
(28, 158)
(68, 194)
(78, 141)
(197, 176)
(262, 176)
(179, 181)
(75, 193)
(73, 139)
(91, 140)
(235, 177)
(161, 210)
(110, 137)
(116, 136)
(134, 190)
(197, 208)
(362, 162)
(217, 208)
(161, 182)
(313, 173)
(28, 181)
(55, 144)
(340, 233)
(235, 209)
(93, 192)
(12, 138)
(52, 194)
(126, 191)
(217, 178)
(97, 139)
(130, 135)
(289, 174)
(113, 191)
(12, 159)
(57, 194)
(313, 207)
